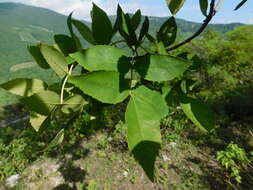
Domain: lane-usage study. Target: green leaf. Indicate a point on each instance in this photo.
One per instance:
(69, 23)
(42, 102)
(105, 86)
(58, 139)
(37, 120)
(55, 59)
(136, 19)
(132, 39)
(240, 4)
(125, 27)
(144, 29)
(38, 57)
(65, 44)
(160, 67)
(167, 32)
(24, 87)
(74, 37)
(73, 104)
(101, 26)
(199, 113)
(101, 57)
(144, 112)
(85, 31)
(69, 60)
(160, 48)
(203, 6)
(175, 5)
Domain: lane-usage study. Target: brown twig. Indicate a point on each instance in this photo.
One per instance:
(213, 10)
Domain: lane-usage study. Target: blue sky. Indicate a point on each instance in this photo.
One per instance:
(190, 11)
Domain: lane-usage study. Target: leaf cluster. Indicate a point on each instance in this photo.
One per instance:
(150, 80)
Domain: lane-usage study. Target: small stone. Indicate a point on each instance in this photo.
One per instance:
(165, 158)
(12, 180)
(125, 173)
(178, 108)
(173, 144)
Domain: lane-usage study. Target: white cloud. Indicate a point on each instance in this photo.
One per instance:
(250, 21)
(82, 8)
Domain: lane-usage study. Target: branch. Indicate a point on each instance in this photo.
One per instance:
(117, 42)
(213, 10)
(64, 83)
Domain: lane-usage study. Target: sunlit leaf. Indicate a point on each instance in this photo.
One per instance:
(24, 87)
(105, 86)
(101, 57)
(144, 111)
(55, 59)
(73, 104)
(37, 120)
(58, 139)
(160, 67)
(175, 5)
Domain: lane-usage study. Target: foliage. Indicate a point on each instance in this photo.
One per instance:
(233, 159)
(14, 157)
(149, 80)
(41, 27)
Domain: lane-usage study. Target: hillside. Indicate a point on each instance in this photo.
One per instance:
(22, 25)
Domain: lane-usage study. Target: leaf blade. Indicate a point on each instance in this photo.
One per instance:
(144, 111)
(55, 59)
(101, 57)
(200, 114)
(160, 67)
(85, 31)
(101, 22)
(105, 86)
(175, 5)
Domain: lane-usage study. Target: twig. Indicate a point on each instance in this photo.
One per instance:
(64, 82)
(117, 42)
(212, 12)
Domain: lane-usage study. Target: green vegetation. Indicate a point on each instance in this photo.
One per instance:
(103, 104)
